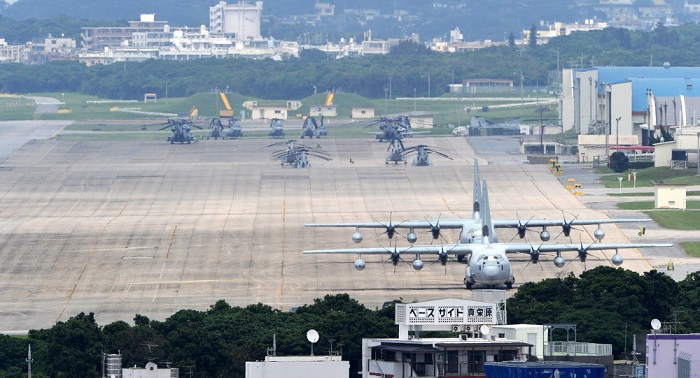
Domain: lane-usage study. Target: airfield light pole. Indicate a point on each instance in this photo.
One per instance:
(698, 164)
(617, 131)
(522, 96)
(590, 101)
(389, 87)
(414, 100)
(607, 121)
(428, 76)
(386, 90)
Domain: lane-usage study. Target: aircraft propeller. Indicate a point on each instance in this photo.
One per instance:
(521, 228)
(390, 228)
(395, 258)
(443, 257)
(582, 253)
(435, 228)
(566, 226)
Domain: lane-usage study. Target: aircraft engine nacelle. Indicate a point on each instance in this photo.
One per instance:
(617, 259)
(559, 261)
(534, 256)
(599, 233)
(360, 264)
(357, 236)
(411, 237)
(418, 264)
(544, 235)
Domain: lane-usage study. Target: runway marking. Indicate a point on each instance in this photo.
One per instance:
(55, 134)
(80, 276)
(170, 244)
(284, 210)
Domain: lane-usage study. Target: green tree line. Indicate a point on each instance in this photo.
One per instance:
(215, 343)
(608, 305)
(412, 69)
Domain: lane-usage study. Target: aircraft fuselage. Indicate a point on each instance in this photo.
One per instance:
(489, 267)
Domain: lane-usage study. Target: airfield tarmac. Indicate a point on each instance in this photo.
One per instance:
(124, 228)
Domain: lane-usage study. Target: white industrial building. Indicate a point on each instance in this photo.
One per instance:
(623, 102)
(240, 20)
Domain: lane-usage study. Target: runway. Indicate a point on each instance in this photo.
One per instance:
(120, 228)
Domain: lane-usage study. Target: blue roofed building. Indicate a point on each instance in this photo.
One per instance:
(630, 101)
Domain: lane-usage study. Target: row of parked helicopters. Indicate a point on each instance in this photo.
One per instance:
(181, 129)
(394, 130)
(391, 130)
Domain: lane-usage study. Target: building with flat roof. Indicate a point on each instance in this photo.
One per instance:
(636, 101)
(101, 37)
(298, 367)
(672, 355)
(241, 21)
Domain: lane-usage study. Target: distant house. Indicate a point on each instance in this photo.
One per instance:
(421, 120)
(323, 110)
(362, 112)
(269, 112)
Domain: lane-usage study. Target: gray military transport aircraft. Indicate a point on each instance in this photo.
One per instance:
(487, 261)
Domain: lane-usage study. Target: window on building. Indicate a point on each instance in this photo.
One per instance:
(476, 360)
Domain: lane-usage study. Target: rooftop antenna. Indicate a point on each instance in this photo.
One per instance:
(273, 350)
(312, 336)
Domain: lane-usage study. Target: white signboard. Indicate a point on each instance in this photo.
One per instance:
(467, 312)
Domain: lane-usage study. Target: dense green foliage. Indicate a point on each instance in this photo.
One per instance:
(19, 32)
(216, 342)
(367, 76)
(602, 302)
(619, 162)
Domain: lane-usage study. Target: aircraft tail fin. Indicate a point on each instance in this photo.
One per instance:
(476, 200)
(487, 226)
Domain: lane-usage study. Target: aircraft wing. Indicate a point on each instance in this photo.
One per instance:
(465, 249)
(429, 223)
(459, 223)
(554, 247)
(452, 249)
(515, 222)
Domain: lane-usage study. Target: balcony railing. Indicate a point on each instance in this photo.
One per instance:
(570, 348)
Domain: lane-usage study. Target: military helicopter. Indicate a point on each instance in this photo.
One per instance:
(181, 129)
(276, 128)
(296, 154)
(393, 128)
(396, 153)
(234, 129)
(312, 129)
(216, 129)
(422, 154)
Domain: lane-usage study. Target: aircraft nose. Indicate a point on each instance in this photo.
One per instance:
(490, 273)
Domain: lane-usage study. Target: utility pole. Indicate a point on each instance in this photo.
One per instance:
(29, 362)
(414, 100)
(390, 88)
